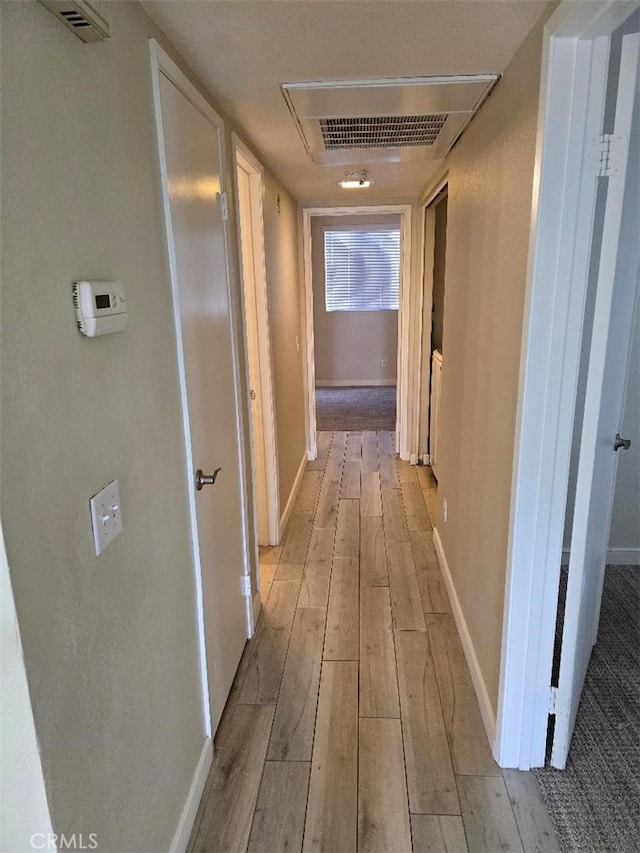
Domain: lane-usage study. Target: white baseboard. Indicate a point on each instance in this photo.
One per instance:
(190, 808)
(354, 383)
(623, 557)
(286, 515)
(482, 695)
(615, 556)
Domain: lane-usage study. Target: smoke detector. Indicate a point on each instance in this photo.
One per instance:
(88, 19)
(385, 120)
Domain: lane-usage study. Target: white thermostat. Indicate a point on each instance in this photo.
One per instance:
(101, 307)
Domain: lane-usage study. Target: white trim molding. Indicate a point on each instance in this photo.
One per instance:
(479, 685)
(623, 557)
(295, 490)
(190, 808)
(615, 556)
(256, 604)
(572, 89)
(404, 381)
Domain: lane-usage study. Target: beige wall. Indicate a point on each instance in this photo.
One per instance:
(110, 642)
(349, 345)
(625, 521)
(283, 288)
(489, 216)
(624, 534)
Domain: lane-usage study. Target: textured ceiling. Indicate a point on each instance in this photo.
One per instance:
(243, 50)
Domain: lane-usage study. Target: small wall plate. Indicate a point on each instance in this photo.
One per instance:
(106, 516)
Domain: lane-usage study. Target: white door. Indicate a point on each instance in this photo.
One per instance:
(617, 286)
(251, 325)
(250, 192)
(192, 150)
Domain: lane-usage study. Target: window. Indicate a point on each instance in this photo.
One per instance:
(362, 269)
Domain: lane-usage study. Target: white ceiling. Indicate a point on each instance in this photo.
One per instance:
(243, 50)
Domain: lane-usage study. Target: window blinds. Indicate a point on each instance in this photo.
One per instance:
(362, 269)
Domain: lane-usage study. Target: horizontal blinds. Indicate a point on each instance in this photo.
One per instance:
(362, 269)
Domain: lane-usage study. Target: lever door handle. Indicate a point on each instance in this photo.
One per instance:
(624, 443)
(203, 479)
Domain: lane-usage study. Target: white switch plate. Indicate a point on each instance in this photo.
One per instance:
(106, 515)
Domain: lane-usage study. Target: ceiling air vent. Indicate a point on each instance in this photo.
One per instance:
(89, 19)
(381, 131)
(410, 118)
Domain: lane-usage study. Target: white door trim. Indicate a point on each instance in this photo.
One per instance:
(243, 158)
(161, 63)
(406, 342)
(562, 217)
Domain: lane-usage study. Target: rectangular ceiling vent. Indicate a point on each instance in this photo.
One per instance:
(381, 131)
(387, 120)
(88, 19)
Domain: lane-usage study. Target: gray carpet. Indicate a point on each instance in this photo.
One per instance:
(356, 409)
(595, 802)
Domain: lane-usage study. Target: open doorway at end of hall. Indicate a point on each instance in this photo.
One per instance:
(355, 270)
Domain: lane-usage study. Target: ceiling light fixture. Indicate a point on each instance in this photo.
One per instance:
(356, 180)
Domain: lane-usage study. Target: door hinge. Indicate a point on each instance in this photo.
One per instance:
(606, 154)
(224, 206)
(245, 585)
(553, 698)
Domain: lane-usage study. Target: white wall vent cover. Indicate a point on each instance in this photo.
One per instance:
(88, 19)
(385, 120)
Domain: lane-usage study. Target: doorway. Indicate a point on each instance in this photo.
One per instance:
(389, 374)
(356, 272)
(575, 66)
(432, 343)
(249, 195)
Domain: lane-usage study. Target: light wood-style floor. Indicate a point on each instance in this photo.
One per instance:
(352, 723)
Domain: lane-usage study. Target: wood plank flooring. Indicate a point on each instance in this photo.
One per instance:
(352, 724)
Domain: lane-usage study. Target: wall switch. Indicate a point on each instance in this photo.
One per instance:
(106, 515)
(383, 362)
(297, 344)
(445, 510)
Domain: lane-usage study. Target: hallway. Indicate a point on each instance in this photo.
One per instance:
(352, 723)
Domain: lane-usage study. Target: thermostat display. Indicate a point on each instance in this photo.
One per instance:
(103, 300)
(101, 307)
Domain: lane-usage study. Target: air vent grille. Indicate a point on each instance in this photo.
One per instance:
(88, 19)
(381, 131)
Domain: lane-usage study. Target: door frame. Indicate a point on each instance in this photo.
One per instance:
(406, 322)
(560, 242)
(270, 508)
(161, 63)
(423, 381)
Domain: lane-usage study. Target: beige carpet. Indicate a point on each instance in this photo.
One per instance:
(595, 803)
(356, 408)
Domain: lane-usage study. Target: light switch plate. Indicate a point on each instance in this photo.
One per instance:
(106, 515)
